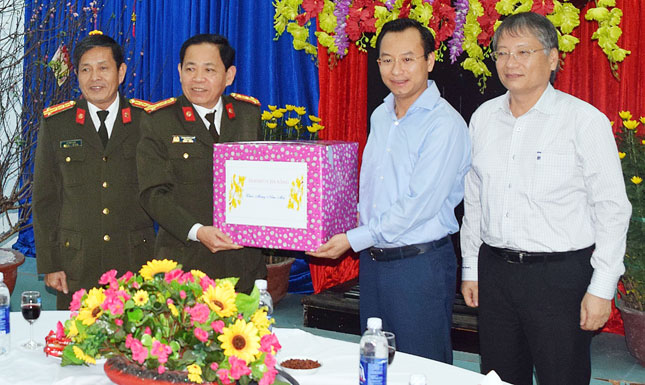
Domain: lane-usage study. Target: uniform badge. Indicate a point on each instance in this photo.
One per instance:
(126, 115)
(71, 143)
(183, 139)
(80, 116)
(230, 111)
(189, 114)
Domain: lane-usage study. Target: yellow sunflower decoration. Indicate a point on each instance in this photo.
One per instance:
(154, 267)
(140, 298)
(221, 299)
(241, 340)
(80, 354)
(89, 313)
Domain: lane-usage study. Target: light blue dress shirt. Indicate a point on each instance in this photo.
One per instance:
(412, 175)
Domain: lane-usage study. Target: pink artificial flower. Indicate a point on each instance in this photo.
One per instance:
(60, 330)
(269, 341)
(206, 281)
(161, 369)
(238, 368)
(188, 276)
(118, 321)
(126, 277)
(270, 361)
(139, 352)
(108, 277)
(182, 294)
(269, 376)
(223, 376)
(201, 334)
(148, 331)
(169, 301)
(136, 285)
(199, 313)
(161, 351)
(173, 275)
(218, 326)
(113, 302)
(214, 366)
(75, 305)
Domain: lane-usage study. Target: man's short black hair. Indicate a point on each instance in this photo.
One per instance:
(93, 41)
(399, 25)
(226, 52)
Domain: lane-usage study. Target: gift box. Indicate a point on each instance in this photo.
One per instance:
(285, 195)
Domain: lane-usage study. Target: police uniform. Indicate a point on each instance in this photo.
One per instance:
(87, 218)
(175, 165)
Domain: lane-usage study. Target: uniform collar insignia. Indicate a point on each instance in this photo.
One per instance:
(80, 116)
(230, 110)
(126, 115)
(189, 114)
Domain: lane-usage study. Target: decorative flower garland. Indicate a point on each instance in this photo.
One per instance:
(469, 24)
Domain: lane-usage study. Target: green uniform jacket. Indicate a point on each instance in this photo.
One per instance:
(86, 215)
(175, 164)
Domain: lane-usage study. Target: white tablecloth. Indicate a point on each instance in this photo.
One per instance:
(339, 360)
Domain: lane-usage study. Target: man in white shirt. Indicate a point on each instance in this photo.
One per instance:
(546, 216)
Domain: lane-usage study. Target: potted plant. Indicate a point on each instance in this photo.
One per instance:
(171, 325)
(285, 124)
(630, 136)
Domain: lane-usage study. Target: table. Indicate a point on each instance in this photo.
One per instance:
(339, 360)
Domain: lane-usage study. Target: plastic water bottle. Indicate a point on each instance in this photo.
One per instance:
(5, 307)
(265, 298)
(373, 364)
(417, 379)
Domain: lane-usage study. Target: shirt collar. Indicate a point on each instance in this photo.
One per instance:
(427, 100)
(202, 111)
(113, 110)
(546, 104)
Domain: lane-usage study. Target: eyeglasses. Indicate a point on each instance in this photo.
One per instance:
(522, 56)
(405, 61)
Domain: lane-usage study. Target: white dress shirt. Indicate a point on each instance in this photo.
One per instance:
(549, 180)
(202, 111)
(113, 112)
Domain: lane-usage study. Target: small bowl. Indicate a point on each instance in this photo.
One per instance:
(299, 372)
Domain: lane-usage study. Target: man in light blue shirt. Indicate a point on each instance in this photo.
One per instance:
(412, 177)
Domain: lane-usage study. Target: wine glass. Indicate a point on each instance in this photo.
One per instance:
(30, 306)
(391, 346)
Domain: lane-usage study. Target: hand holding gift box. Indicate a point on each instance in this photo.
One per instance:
(285, 195)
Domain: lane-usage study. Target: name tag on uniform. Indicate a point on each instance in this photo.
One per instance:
(183, 139)
(71, 143)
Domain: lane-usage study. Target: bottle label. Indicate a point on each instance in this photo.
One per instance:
(373, 371)
(4, 320)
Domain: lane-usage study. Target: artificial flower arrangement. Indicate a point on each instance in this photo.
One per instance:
(289, 123)
(458, 26)
(173, 322)
(630, 137)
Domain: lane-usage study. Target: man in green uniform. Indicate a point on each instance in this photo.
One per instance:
(175, 162)
(87, 218)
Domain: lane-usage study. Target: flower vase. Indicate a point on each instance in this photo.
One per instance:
(634, 321)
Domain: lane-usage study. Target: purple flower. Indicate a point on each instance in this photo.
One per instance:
(456, 43)
(341, 11)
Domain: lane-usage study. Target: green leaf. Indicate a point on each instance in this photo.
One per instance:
(135, 315)
(146, 340)
(248, 304)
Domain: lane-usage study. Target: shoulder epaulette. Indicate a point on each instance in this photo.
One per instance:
(159, 105)
(53, 110)
(245, 98)
(140, 103)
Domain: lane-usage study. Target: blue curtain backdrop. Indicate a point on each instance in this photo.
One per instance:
(269, 70)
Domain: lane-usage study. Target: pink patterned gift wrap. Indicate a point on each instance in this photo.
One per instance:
(285, 195)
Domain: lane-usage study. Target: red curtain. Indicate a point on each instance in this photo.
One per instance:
(586, 74)
(343, 110)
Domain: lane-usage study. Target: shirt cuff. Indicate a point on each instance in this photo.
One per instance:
(192, 234)
(603, 284)
(469, 269)
(360, 238)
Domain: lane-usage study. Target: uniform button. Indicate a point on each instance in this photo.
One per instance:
(66, 243)
(105, 184)
(396, 123)
(186, 155)
(105, 158)
(106, 238)
(68, 159)
(145, 240)
(106, 211)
